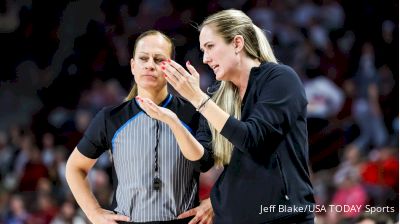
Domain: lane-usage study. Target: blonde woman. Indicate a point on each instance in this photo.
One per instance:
(258, 126)
(155, 178)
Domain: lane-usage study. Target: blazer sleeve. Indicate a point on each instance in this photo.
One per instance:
(204, 137)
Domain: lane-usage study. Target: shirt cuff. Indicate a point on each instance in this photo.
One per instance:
(229, 131)
(204, 163)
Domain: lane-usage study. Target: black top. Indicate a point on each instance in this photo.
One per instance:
(269, 163)
(135, 141)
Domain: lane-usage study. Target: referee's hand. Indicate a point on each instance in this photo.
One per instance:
(203, 214)
(154, 111)
(103, 216)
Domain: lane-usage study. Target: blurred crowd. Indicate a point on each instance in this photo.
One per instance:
(62, 61)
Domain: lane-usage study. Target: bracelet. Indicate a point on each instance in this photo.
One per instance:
(203, 103)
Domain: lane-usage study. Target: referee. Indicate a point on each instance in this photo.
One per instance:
(152, 179)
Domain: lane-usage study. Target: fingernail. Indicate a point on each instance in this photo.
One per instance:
(169, 60)
(165, 75)
(188, 62)
(162, 67)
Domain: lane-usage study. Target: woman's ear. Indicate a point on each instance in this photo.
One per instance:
(238, 43)
(132, 62)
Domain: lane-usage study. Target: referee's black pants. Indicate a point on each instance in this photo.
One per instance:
(176, 221)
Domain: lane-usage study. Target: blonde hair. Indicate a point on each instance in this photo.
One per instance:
(134, 90)
(228, 24)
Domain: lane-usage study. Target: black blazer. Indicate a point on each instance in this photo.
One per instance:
(269, 164)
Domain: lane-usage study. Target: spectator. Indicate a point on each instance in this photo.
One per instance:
(366, 109)
(17, 213)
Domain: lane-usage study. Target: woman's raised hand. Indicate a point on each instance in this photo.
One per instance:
(185, 83)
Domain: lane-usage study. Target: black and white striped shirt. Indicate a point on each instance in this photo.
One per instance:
(131, 135)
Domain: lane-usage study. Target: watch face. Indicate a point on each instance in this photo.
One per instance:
(156, 183)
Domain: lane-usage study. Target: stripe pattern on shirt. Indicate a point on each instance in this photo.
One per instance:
(133, 156)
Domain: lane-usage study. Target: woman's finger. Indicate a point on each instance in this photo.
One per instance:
(171, 73)
(152, 106)
(144, 104)
(181, 71)
(207, 219)
(139, 101)
(192, 70)
(188, 213)
(146, 101)
(145, 108)
(167, 67)
(170, 80)
(204, 221)
(195, 220)
(117, 217)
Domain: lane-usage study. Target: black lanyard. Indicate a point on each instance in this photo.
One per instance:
(156, 179)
